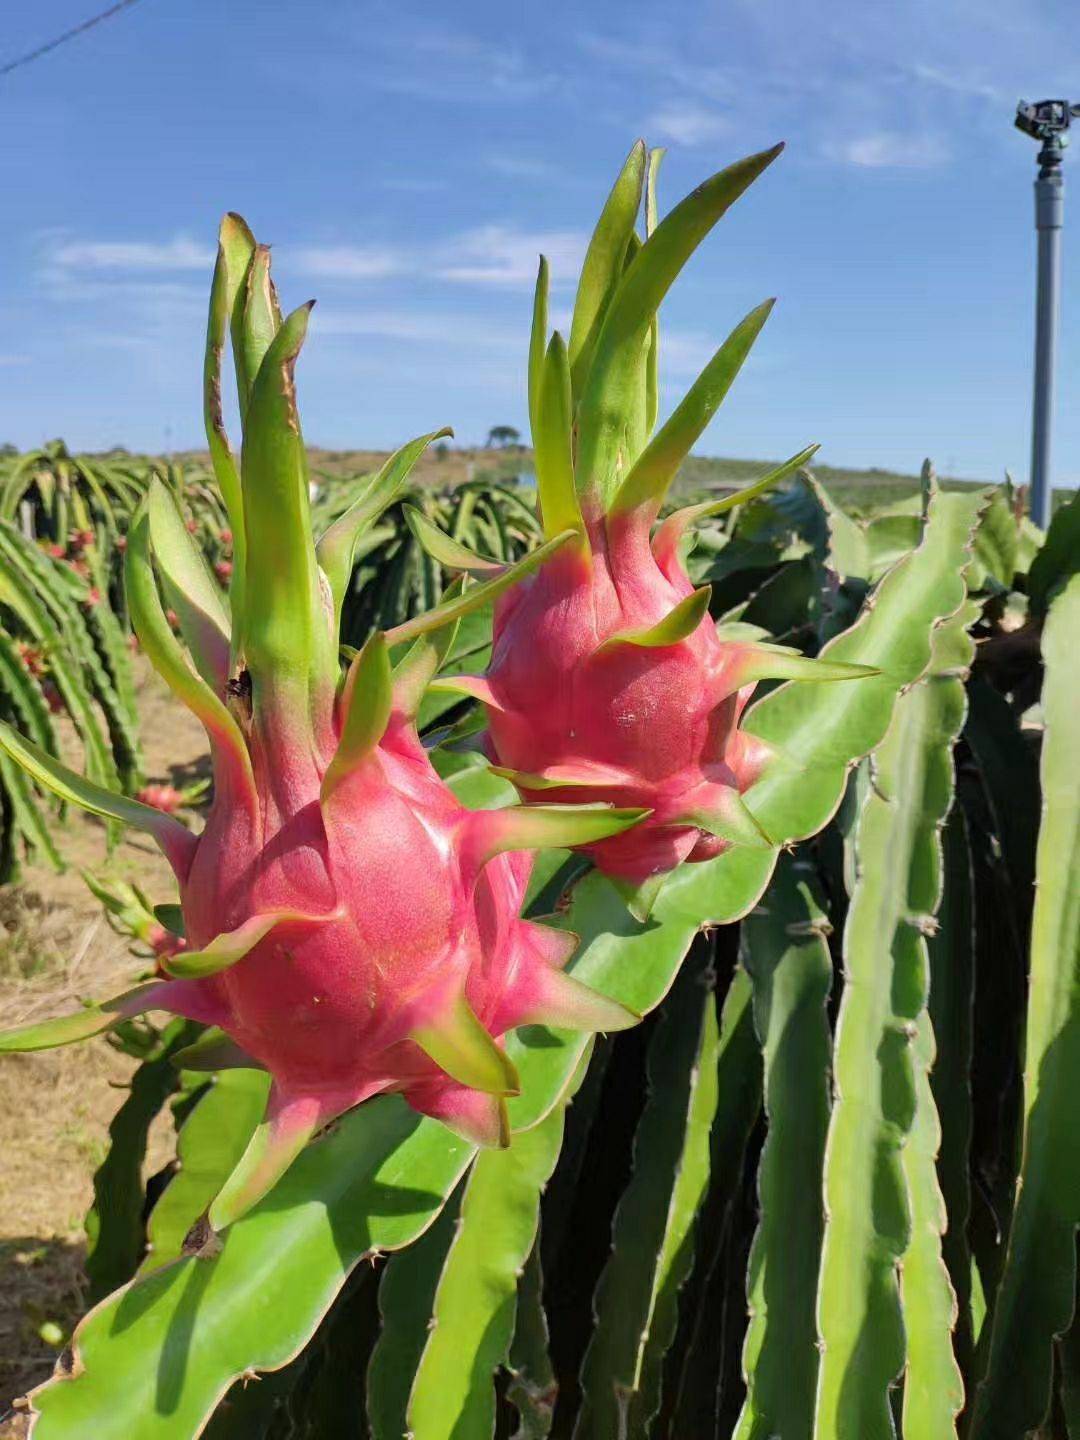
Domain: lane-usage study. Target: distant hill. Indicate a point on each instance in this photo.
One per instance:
(448, 465)
(854, 488)
(700, 474)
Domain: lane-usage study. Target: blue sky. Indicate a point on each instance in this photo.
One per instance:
(408, 162)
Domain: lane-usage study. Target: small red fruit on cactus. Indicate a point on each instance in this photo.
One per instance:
(223, 570)
(165, 798)
(121, 543)
(351, 927)
(56, 552)
(92, 597)
(226, 536)
(32, 657)
(608, 680)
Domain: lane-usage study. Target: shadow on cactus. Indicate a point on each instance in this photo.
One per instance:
(349, 925)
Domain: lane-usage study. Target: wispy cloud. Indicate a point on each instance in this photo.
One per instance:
(889, 150)
(488, 255)
(179, 253)
(460, 330)
(414, 185)
(888, 114)
(957, 83)
(523, 167)
(147, 294)
(457, 66)
(687, 123)
(709, 81)
(498, 255)
(684, 354)
(349, 262)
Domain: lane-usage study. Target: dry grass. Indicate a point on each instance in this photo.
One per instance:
(55, 1107)
(442, 468)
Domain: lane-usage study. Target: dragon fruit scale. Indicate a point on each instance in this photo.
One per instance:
(348, 924)
(608, 679)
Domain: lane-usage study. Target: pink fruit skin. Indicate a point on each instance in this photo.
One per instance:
(163, 942)
(162, 797)
(652, 727)
(411, 917)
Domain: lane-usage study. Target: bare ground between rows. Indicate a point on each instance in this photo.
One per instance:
(56, 1106)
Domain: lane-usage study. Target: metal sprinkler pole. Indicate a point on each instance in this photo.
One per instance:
(1049, 217)
(1047, 121)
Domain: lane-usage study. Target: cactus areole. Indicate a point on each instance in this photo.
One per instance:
(609, 681)
(350, 926)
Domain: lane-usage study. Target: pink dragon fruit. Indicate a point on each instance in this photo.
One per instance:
(608, 680)
(350, 926)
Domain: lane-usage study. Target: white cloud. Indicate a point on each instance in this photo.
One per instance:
(498, 255)
(444, 329)
(889, 150)
(454, 65)
(522, 167)
(180, 253)
(659, 60)
(415, 185)
(489, 255)
(348, 262)
(387, 324)
(685, 353)
(66, 257)
(959, 84)
(687, 123)
(66, 285)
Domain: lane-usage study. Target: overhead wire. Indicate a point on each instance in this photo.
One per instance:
(67, 35)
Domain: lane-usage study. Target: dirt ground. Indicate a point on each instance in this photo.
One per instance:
(55, 1107)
